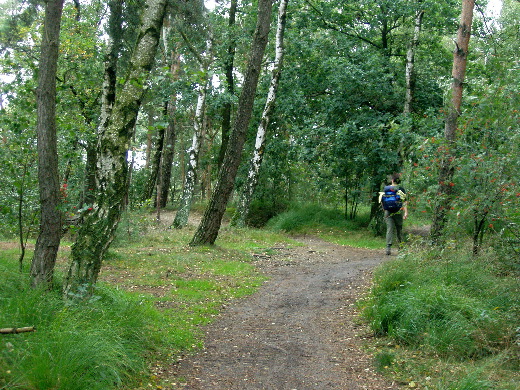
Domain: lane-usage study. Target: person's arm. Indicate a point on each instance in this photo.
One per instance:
(405, 205)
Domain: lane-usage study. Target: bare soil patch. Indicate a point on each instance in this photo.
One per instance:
(300, 331)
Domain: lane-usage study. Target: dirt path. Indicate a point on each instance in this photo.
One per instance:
(300, 331)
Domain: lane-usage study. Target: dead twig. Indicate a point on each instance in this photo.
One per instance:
(17, 330)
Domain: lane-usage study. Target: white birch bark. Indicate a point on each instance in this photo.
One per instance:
(258, 153)
(97, 233)
(181, 217)
(410, 63)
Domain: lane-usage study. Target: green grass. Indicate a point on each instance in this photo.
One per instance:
(98, 345)
(328, 224)
(154, 293)
(460, 313)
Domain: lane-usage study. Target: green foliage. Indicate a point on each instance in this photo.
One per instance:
(328, 223)
(148, 306)
(306, 217)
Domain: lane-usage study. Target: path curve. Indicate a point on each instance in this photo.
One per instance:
(300, 331)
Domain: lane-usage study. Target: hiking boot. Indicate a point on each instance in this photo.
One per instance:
(388, 251)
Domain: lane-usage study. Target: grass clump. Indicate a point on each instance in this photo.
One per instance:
(97, 345)
(329, 224)
(458, 309)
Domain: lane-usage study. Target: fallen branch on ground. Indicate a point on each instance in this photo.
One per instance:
(17, 330)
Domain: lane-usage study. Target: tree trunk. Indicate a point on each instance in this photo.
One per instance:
(155, 166)
(181, 217)
(410, 63)
(97, 233)
(170, 136)
(108, 93)
(230, 83)
(258, 153)
(48, 242)
(167, 156)
(209, 227)
(447, 169)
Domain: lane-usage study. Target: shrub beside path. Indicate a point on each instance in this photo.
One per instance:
(300, 331)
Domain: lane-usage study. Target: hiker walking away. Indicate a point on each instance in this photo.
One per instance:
(393, 200)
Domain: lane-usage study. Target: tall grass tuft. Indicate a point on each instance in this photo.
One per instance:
(98, 345)
(455, 307)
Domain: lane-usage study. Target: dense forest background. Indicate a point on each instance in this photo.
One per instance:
(362, 91)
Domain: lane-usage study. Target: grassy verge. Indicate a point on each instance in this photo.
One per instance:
(448, 321)
(445, 321)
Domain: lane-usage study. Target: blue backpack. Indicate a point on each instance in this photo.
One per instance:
(391, 200)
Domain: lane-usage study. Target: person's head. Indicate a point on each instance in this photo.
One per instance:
(395, 178)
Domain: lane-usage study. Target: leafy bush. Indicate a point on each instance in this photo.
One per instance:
(260, 212)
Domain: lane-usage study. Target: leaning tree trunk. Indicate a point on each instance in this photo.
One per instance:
(230, 83)
(209, 227)
(108, 93)
(258, 153)
(97, 233)
(447, 168)
(48, 242)
(410, 63)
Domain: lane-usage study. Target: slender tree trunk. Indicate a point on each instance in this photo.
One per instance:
(21, 200)
(97, 233)
(181, 217)
(447, 169)
(167, 155)
(410, 63)
(230, 83)
(48, 242)
(258, 153)
(170, 137)
(209, 227)
(156, 166)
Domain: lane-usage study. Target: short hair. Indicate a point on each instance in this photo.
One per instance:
(396, 178)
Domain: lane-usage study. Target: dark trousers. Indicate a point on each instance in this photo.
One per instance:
(394, 227)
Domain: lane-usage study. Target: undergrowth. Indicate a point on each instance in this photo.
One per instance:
(329, 224)
(96, 345)
(154, 292)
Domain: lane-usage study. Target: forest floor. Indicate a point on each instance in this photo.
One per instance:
(300, 331)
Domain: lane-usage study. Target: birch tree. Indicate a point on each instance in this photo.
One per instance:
(108, 92)
(258, 153)
(410, 62)
(48, 242)
(97, 233)
(447, 168)
(181, 217)
(209, 227)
